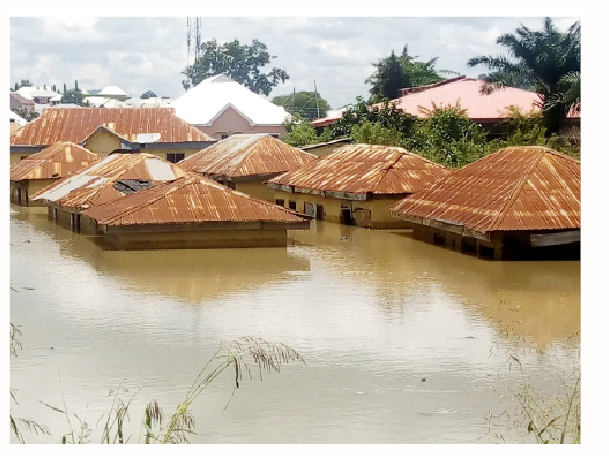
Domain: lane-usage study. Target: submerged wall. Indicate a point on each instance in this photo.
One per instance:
(366, 214)
(21, 191)
(196, 239)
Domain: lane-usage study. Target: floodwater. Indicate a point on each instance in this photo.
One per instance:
(373, 313)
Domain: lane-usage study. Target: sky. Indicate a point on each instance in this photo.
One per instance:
(334, 53)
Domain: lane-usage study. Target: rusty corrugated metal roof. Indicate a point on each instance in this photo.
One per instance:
(361, 168)
(14, 127)
(60, 160)
(192, 199)
(94, 185)
(516, 188)
(75, 124)
(245, 155)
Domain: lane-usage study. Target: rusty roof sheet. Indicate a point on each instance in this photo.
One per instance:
(60, 160)
(14, 127)
(361, 168)
(76, 124)
(245, 155)
(516, 188)
(94, 185)
(192, 199)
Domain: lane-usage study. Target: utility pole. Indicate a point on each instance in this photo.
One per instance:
(316, 97)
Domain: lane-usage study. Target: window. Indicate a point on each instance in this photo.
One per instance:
(23, 157)
(224, 136)
(292, 205)
(174, 158)
(280, 202)
(275, 135)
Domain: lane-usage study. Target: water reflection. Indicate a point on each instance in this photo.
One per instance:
(190, 275)
(536, 301)
(372, 312)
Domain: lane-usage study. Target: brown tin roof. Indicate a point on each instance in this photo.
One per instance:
(14, 127)
(192, 199)
(517, 188)
(96, 184)
(245, 155)
(361, 168)
(76, 124)
(60, 160)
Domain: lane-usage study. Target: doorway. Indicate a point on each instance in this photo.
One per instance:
(345, 216)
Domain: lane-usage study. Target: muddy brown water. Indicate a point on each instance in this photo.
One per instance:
(372, 312)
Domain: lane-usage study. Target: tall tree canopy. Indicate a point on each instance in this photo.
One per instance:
(303, 104)
(241, 63)
(398, 72)
(548, 60)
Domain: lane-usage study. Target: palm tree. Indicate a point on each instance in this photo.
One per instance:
(548, 60)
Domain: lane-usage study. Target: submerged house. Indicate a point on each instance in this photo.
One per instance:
(104, 130)
(245, 162)
(356, 184)
(112, 178)
(192, 212)
(40, 170)
(516, 203)
(221, 107)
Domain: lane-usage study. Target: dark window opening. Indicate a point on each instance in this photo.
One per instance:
(175, 158)
(275, 135)
(280, 202)
(292, 205)
(224, 136)
(345, 216)
(438, 240)
(23, 157)
(319, 212)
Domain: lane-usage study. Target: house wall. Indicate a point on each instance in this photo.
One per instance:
(197, 239)
(231, 122)
(21, 191)
(257, 189)
(16, 157)
(103, 144)
(379, 216)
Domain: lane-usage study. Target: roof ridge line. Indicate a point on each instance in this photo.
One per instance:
(510, 202)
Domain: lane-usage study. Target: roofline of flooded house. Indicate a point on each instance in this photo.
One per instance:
(16, 149)
(237, 179)
(366, 196)
(205, 226)
(444, 225)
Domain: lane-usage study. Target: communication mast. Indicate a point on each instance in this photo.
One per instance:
(193, 22)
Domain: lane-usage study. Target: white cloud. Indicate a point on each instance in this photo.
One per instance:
(138, 54)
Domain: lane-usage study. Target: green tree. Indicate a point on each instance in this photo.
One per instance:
(542, 59)
(374, 133)
(386, 80)
(303, 104)
(73, 96)
(147, 94)
(386, 115)
(446, 135)
(241, 63)
(300, 132)
(27, 114)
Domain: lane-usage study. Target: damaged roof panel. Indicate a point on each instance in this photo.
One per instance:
(111, 169)
(192, 199)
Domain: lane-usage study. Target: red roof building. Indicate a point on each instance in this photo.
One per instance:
(481, 108)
